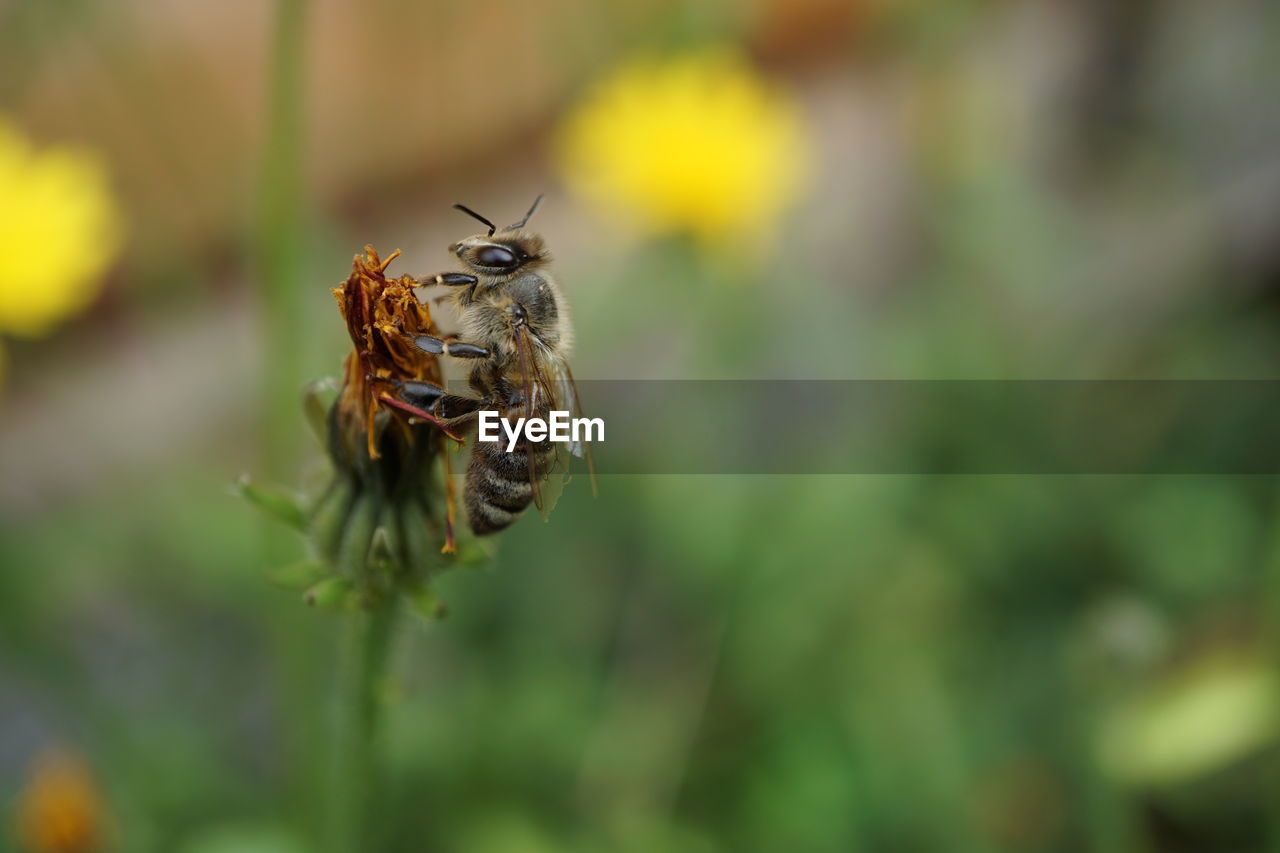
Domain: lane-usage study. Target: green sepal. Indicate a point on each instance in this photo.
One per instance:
(422, 599)
(382, 550)
(472, 553)
(277, 504)
(329, 518)
(317, 398)
(332, 594)
(299, 575)
(357, 539)
(417, 550)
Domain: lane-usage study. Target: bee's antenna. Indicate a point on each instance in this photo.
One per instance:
(469, 212)
(537, 201)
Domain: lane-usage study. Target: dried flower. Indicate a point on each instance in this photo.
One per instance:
(379, 314)
(384, 524)
(61, 810)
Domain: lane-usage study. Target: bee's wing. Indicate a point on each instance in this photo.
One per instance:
(573, 401)
(561, 395)
(536, 395)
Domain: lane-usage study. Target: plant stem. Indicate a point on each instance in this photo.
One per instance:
(357, 776)
(279, 260)
(280, 247)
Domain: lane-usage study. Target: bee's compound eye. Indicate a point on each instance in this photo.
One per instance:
(495, 256)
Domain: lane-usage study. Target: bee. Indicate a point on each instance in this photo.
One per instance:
(515, 327)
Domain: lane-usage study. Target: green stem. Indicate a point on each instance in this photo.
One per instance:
(357, 775)
(279, 259)
(280, 249)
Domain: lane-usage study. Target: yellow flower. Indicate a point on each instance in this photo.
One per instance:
(60, 810)
(699, 144)
(59, 230)
(1213, 716)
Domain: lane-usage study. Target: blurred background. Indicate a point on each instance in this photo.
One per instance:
(867, 189)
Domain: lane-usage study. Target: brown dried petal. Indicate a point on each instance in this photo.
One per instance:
(379, 312)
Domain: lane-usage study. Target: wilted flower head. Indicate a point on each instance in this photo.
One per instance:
(61, 810)
(379, 313)
(699, 144)
(386, 516)
(60, 228)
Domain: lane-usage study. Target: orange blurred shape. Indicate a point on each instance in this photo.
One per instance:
(61, 809)
(803, 31)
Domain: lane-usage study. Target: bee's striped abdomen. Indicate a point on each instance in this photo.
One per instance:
(497, 488)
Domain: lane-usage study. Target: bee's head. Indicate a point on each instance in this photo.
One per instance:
(502, 253)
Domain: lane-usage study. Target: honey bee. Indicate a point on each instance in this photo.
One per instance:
(515, 326)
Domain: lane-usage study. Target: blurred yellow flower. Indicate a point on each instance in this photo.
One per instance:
(700, 144)
(61, 811)
(59, 230)
(1218, 713)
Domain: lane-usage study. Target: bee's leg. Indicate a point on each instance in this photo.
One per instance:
(423, 395)
(457, 423)
(452, 279)
(431, 404)
(433, 399)
(456, 408)
(457, 349)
